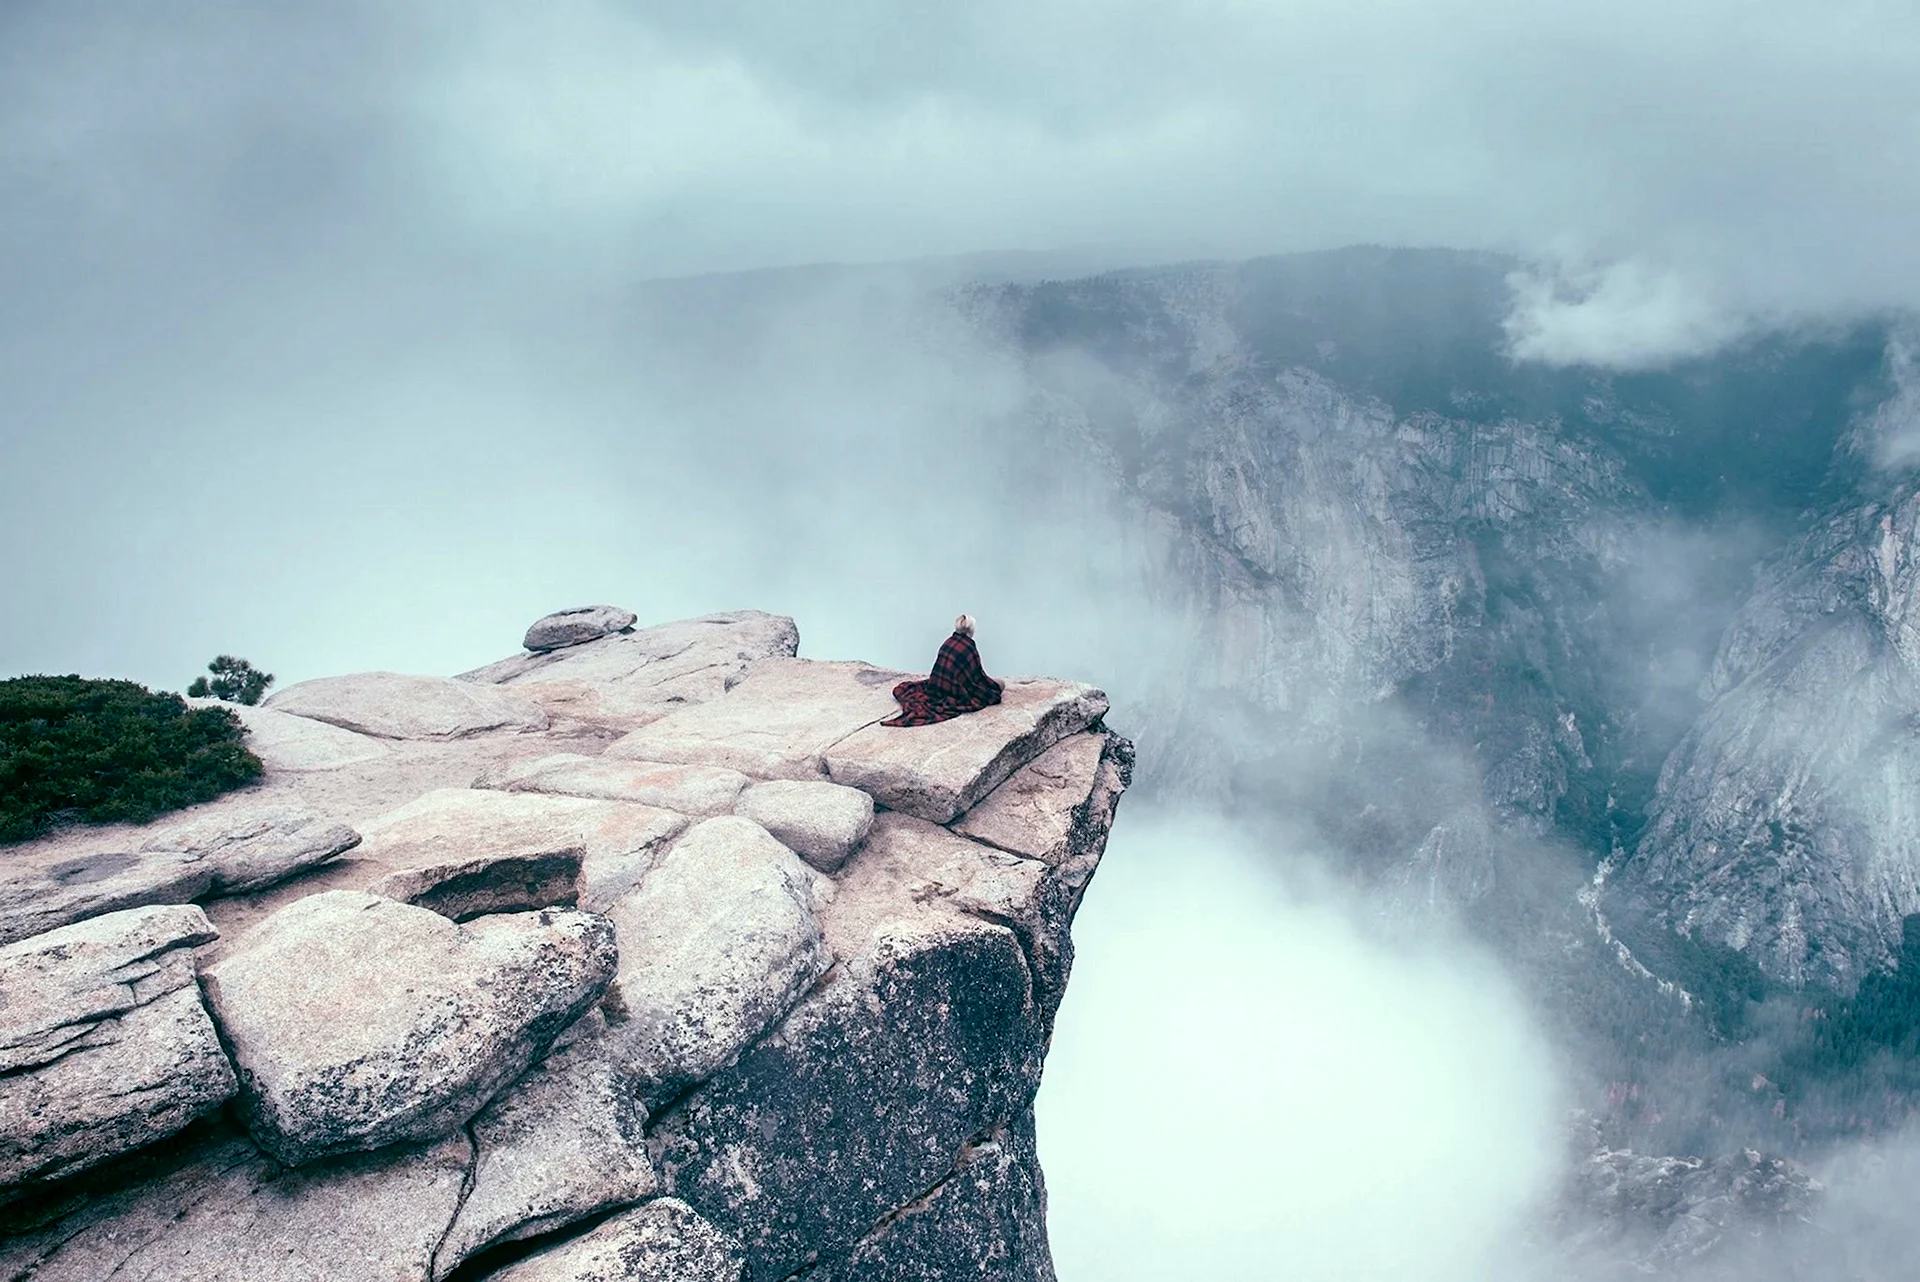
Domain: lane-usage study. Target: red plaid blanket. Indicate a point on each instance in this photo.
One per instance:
(958, 684)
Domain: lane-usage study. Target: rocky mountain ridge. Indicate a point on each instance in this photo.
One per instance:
(642, 953)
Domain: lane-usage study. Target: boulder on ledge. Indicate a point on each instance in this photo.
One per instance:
(580, 624)
(104, 1045)
(357, 1021)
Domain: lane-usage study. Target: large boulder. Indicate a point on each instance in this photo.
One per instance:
(821, 822)
(719, 941)
(703, 791)
(938, 771)
(616, 842)
(778, 722)
(629, 679)
(104, 1045)
(582, 623)
(224, 1212)
(868, 1095)
(393, 705)
(663, 1241)
(564, 1142)
(231, 849)
(283, 741)
(357, 1021)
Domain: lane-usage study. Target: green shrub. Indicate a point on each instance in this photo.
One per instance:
(234, 680)
(107, 752)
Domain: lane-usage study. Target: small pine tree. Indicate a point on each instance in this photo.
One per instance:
(234, 680)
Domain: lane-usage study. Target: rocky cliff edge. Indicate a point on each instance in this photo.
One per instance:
(641, 953)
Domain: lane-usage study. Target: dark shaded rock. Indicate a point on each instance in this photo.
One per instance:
(571, 627)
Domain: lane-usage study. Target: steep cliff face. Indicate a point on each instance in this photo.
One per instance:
(1785, 824)
(643, 954)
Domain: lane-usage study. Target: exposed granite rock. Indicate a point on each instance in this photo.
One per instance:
(582, 623)
(629, 679)
(565, 1141)
(231, 849)
(104, 1045)
(844, 1066)
(393, 705)
(690, 790)
(864, 1098)
(663, 1241)
(777, 723)
(718, 942)
(1033, 812)
(442, 1016)
(823, 823)
(224, 1212)
(616, 842)
(489, 884)
(283, 741)
(938, 771)
(987, 1218)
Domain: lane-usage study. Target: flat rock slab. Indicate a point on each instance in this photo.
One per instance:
(703, 791)
(719, 941)
(778, 723)
(564, 1142)
(582, 623)
(617, 841)
(357, 1021)
(821, 822)
(629, 679)
(939, 771)
(393, 705)
(104, 1045)
(664, 1241)
(865, 1097)
(283, 741)
(490, 884)
(1033, 812)
(234, 848)
(224, 1212)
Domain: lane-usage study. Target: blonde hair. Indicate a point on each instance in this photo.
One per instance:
(964, 625)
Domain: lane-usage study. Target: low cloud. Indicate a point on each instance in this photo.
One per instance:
(1623, 315)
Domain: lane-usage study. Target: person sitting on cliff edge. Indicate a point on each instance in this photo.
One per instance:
(957, 685)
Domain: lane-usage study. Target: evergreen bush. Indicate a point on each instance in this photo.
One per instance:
(109, 751)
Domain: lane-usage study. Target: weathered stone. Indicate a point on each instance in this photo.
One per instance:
(489, 884)
(393, 705)
(663, 1241)
(987, 1218)
(718, 942)
(283, 741)
(617, 841)
(565, 1141)
(938, 771)
(777, 723)
(582, 623)
(821, 822)
(691, 790)
(629, 679)
(224, 1212)
(1032, 813)
(357, 1021)
(864, 1097)
(104, 1045)
(232, 849)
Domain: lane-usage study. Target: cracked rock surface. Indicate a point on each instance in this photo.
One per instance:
(674, 965)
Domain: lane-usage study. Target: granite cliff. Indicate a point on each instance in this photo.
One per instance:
(641, 953)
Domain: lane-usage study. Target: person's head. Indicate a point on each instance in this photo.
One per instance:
(964, 625)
